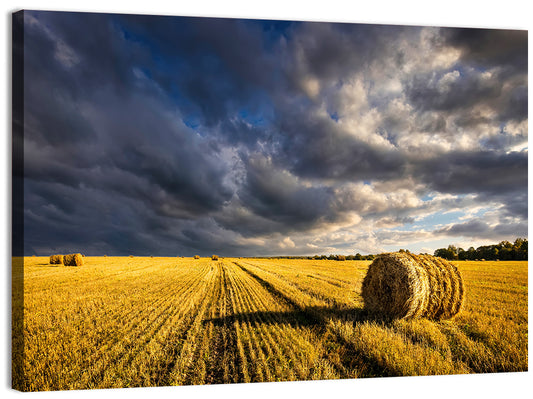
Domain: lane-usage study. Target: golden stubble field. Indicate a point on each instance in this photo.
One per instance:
(125, 322)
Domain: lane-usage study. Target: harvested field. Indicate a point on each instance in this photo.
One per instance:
(126, 322)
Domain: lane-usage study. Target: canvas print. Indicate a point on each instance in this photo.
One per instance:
(215, 201)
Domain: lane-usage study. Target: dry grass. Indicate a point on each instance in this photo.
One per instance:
(404, 285)
(119, 322)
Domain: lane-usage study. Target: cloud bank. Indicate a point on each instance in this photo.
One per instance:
(176, 136)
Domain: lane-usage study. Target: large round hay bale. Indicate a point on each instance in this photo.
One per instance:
(214, 257)
(196, 256)
(56, 259)
(404, 285)
(73, 260)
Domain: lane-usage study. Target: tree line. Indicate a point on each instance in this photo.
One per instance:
(357, 256)
(504, 250)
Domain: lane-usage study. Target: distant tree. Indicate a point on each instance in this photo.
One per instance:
(504, 250)
(452, 250)
(471, 253)
(506, 253)
(520, 249)
(445, 253)
(505, 244)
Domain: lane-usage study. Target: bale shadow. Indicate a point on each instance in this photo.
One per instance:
(317, 319)
(309, 316)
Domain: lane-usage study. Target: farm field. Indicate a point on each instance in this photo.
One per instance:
(142, 321)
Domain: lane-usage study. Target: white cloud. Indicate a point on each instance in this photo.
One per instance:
(287, 243)
(311, 86)
(447, 80)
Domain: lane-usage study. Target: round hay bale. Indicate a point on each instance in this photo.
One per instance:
(196, 256)
(404, 285)
(73, 260)
(214, 257)
(56, 259)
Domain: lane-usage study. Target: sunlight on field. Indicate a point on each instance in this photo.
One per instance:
(123, 322)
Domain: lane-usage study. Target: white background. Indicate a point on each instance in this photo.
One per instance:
(508, 14)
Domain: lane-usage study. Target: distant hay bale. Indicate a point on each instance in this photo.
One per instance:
(56, 259)
(73, 260)
(214, 257)
(404, 285)
(196, 256)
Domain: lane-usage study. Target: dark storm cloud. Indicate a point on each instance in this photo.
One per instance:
(276, 195)
(490, 47)
(515, 204)
(240, 218)
(214, 67)
(481, 172)
(501, 178)
(502, 53)
(104, 145)
(63, 218)
(477, 228)
(516, 107)
(333, 51)
(468, 89)
(96, 54)
(314, 147)
(163, 135)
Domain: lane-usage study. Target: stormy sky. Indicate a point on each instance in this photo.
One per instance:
(168, 136)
